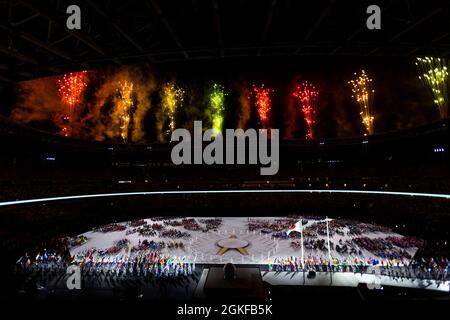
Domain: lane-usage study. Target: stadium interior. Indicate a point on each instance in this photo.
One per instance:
(388, 177)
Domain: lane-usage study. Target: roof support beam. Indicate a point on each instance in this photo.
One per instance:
(267, 26)
(218, 27)
(318, 22)
(409, 28)
(16, 54)
(76, 34)
(119, 29)
(417, 23)
(115, 26)
(356, 33)
(434, 40)
(45, 46)
(18, 23)
(5, 79)
(153, 5)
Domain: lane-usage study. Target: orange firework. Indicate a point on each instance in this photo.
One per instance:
(307, 96)
(123, 107)
(71, 87)
(172, 98)
(263, 103)
(363, 94)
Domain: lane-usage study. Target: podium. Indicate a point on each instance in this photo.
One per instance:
(247, 284)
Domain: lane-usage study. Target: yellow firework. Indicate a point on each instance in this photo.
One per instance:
(434, 74)
(363, 93)
(172, 99)
(124, 105)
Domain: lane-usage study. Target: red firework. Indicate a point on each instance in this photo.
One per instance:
(71, 87)
(263, 102)
(307, 96)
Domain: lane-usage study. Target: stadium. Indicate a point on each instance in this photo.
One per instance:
(358, 210)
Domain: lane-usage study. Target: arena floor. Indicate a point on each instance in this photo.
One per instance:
(232, 241)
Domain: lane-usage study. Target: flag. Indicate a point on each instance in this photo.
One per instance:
(296, 227)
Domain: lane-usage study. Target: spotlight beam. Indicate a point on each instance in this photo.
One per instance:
(192, 192)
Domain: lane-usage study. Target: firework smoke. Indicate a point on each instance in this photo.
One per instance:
(120, 106)
(245, 107)
(144, 86)
(37, 101)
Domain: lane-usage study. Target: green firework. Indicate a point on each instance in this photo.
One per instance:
(217, 107)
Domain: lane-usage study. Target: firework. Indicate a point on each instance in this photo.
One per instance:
(434, 74)
(307, 96)
(217, 107)
(71, 87)
(123, 106)
(263, 103)
(363, 94)
(172, 99)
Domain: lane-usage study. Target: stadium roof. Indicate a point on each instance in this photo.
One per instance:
(35, 41)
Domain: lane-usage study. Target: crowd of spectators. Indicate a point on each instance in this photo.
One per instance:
(405, 242)
(174, 234)
(211, 224)
(112, 227)
(190, 224)
(272, 226)
(145, 229)
(380, 247)
(136, 223)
